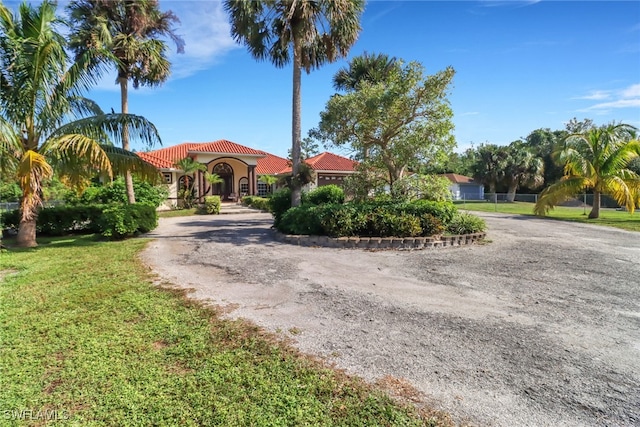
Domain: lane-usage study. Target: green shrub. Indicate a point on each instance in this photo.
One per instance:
(431, 226)
(327, 194)
(116, 192)
(247, 200)
(261, 203)
(425, 187)
(60, 220)
(279, 203)
(120, 221)
(444, 211)
(342, 220)
(212, 204)
(302, 220)
(466, 223)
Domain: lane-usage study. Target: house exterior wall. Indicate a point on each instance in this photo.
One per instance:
(467, 191)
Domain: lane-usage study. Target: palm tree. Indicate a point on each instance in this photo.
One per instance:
(38, 93)
(189, 168)
(596, 159)
(489, 166)
(522, 168)
(311, 31)
(127, 32)
(371, 68)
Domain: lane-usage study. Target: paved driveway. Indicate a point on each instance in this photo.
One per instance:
(539, 327)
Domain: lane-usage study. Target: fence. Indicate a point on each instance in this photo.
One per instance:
(582, 200)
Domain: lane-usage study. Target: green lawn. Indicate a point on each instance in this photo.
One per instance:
(608, 217)
(88, 339)
(178, 212)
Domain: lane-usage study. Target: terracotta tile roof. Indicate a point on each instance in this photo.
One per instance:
(170, 155)
(271, 164)
(458, 179)
(222, 146)
(331, 162)
(158, 162)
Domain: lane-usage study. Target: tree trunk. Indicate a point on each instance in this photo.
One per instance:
(124, 101)
(511, 192)
(296, 127)
(595, 209)
(27, 234)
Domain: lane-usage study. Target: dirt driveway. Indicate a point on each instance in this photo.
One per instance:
(540, 327)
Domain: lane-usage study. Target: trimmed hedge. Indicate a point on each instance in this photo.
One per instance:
(383, 219)
(257, 202)
(327, 194)
(212, 204)
(113, 221)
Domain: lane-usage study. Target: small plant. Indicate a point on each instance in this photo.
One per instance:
(212, 205)
(466, 223)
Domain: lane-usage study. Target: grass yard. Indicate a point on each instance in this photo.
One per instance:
(608, 217)
(87, 339)
(178, 212)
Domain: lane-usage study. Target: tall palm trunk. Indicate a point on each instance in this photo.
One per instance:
(296, 128)
(124, 102)
(26, 237)
(511, 191)
(595, 209)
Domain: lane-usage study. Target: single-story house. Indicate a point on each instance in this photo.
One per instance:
(239, 167)
(464, 188)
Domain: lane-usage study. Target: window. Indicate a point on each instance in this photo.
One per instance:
(184, 182)
(263, 189)
(168, 179)
(244, 186)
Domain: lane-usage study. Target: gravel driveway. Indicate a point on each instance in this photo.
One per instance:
(539, 327)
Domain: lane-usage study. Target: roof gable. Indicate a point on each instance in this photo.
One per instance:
(459, 179)
(331, 162)
(222, 146)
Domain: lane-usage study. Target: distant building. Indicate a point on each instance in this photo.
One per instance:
(464, 188)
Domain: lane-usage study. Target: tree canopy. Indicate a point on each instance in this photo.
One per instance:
(402, 122)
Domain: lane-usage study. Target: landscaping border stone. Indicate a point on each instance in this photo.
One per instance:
(384, 243)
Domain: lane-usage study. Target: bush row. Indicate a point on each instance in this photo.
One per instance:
(280, 202)
(384, 219)
(113, 221)
(257, 202)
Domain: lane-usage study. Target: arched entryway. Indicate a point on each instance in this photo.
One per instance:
(224, 188)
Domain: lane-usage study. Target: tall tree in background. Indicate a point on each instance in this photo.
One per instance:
(596, 159)
(308, 32)
(371, 68)
(129, 32)
(521, 168)
(403, 122)
(39, 91)
(490, 164)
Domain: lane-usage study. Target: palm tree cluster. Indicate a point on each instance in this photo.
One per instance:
(597, 159)
(46, 123)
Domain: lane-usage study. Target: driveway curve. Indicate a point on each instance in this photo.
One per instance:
(538, 327)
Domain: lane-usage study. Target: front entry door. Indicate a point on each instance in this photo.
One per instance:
(224, 188)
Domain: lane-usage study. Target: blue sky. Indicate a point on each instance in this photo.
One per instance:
(520, 66)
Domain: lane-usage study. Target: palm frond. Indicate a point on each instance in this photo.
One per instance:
(107, 128)
(10, 148)
(559, 192)
(123, 161)
(32, 170)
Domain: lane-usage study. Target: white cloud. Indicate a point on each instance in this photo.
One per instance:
(596, 95)
(628, 97)
(205, 28)
(470, 113)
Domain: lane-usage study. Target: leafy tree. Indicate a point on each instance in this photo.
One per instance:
(308, 148)
(425, 187)
(521, 168)
(39, 91)
(369, 68)
(127, 34)
(401, 123)
(596, 159)
(309, 32)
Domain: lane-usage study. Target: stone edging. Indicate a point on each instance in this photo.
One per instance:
(399, 243)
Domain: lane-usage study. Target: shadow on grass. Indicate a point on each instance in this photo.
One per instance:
(44, 242)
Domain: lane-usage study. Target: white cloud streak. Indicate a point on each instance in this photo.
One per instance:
(628, 97)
